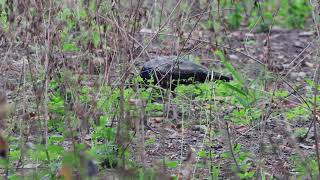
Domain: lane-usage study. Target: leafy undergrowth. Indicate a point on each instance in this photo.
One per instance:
(215, 129)
(74, 107)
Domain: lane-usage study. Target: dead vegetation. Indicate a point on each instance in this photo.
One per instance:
(72, 103)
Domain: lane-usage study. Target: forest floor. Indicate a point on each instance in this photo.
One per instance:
(286, 53)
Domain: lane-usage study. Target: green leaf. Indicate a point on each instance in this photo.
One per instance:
(229, 66)
(70, 47)
(202, 154)
(96, 38)
(172, 164)
(83, 13)
(236, 89)
(243, 101)
(104, 119)
(55, 149)
(55, 139)
(216, 172)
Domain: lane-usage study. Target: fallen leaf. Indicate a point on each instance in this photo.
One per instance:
(157, 119)
(242, 129)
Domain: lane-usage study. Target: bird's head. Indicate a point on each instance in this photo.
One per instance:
(146, 73)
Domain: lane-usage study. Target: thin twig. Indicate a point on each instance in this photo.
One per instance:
(231, 148)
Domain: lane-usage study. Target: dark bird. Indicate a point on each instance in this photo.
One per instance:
(166, 69)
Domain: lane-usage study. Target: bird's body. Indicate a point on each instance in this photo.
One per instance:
(167, 70)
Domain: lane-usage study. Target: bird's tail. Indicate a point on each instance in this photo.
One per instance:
(217, 76)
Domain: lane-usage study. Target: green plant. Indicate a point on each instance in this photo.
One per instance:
(236, 17)
(263, 14)
(4, 16)
(296, 12)
(303, 167)
(81, 30)
(171, 164)
(298, 113)
(245, 116)
(243, 169)
(300, 132)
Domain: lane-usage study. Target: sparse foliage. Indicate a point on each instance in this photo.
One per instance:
(73, 106)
